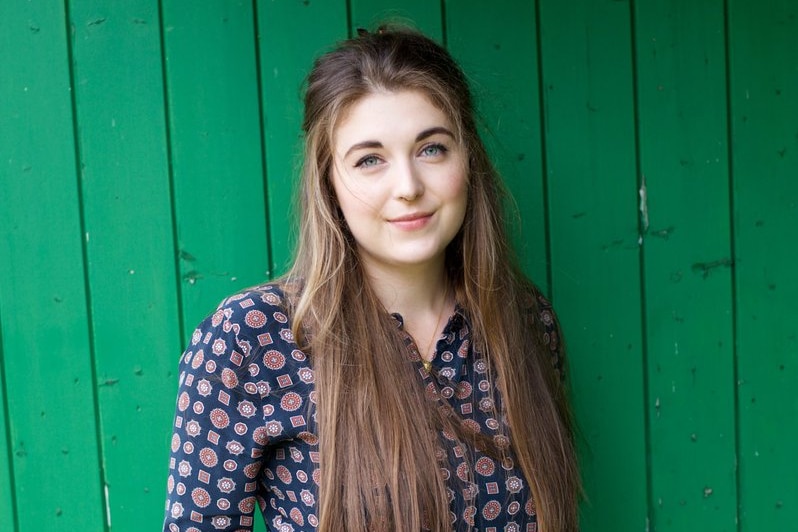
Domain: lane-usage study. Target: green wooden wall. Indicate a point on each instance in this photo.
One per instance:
(148, 151)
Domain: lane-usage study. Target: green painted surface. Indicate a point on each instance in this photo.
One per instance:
(282, 26)
(8, 110)
(215, 140)
(7, 502)
(764, 134)
(420, 14)
(595, 264)
(680, 321)
(505, 87)
(45, 323)
(131, 255)
(687, 258)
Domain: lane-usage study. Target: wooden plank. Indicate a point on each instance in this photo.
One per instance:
(681, 77)
(130, 249)
(291, 35)
(8, 495)
(422, 15)
(590, 153)
(44, 322)
(216, 153)
(498, 50)
(763, 42)
(217, 167)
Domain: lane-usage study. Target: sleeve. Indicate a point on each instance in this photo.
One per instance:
(218, 438)
(551, 334)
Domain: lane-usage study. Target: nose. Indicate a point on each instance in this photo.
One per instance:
(408, 183)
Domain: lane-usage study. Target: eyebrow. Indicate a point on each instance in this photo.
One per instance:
(433, 131)
(421, 136)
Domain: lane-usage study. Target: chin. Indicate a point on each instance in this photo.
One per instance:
(416, 258)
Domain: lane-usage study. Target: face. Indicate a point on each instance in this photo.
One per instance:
(399, 175)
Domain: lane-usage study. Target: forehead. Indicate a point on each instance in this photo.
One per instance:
(387, 115)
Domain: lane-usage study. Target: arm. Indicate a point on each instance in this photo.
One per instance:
(218, 439)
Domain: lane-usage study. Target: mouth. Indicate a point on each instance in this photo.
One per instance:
(411, 217)
(412, 221)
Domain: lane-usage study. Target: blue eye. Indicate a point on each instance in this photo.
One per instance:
(368, 160)
(433, 150)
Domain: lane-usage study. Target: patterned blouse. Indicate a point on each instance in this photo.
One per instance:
(242, 437)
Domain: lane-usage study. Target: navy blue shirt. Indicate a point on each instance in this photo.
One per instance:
(243, 438)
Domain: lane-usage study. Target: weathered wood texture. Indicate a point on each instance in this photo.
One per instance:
(763, 105)
(682, 161)
(148, 155)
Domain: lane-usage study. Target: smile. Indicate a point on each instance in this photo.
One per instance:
(410, 222)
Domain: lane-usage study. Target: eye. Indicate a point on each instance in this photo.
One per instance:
(433, 150)
(367, 161)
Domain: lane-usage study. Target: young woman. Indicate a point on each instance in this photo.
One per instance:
(404, 375)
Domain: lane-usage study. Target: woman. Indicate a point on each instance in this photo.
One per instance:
(404, 375)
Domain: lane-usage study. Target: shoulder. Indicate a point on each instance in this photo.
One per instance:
(249, 316)
(249, 307)
(548, 320)
(543, 319)
(245, 330)
(247, 346)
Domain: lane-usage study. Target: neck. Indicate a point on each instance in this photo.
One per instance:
(421, 295)
(410, 291)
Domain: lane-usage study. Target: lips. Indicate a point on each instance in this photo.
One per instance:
(411, 221)
(411, 217)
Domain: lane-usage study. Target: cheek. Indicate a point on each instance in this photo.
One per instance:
(463, 203)
(457, 190)
(357, 195)
(355, 203)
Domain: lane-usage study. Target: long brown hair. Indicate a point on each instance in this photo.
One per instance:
(377, 428)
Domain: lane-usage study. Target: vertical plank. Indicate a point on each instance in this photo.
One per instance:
(687, 253)
(292, 35)
(216, 159)
(216, 152)
(423, 15)
(498, 50)
(763, 66)
(7, 502)
(590, 152)
(130, 249)
(43, 315)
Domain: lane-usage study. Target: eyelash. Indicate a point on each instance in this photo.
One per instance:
(362, 162)
(438, 146)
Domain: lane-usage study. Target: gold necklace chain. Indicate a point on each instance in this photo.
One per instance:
(428, 363)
